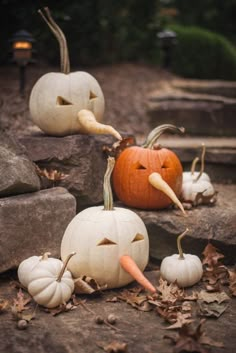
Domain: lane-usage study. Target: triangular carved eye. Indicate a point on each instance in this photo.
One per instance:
(138, 237)
(62, 101)
(139, 166)
(92, 95)
(106, 241)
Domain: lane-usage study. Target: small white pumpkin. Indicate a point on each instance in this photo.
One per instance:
(50, 284)
(27, 265)
(197, 187)
(63, 103)
(185, 269)
(106, 240)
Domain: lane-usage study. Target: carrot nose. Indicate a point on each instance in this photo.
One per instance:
(128, 264)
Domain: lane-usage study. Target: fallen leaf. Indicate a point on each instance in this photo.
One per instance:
(135, 300)
(51, 174)
(181, 320)
(63, 308)
(4, 304)
(212, 309)
(191, 338)
(169, 292)
(113, 347)
(87, 285)
(118, 147)
(218, 297)
(211, 255)
(19, 304)
(232, 282)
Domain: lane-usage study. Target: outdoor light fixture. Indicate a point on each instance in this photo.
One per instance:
(21, 47)
(167, 40)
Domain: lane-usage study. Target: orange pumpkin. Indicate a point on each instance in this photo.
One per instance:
(136, 166)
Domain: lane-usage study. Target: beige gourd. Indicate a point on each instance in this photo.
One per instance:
(49, 283)
(111, 243)
(63, 103)
(185, 269)
(27, 265)
(197, 187)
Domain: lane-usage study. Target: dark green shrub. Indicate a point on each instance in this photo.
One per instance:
(203, 54)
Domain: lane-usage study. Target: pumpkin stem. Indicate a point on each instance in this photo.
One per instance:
(180, 237)
(158, 131)
(64, 266)
(193, 166)
(90, 125)
(45, 256)
(64, 54)
(156, 180)
(107, 191)
(202, 162)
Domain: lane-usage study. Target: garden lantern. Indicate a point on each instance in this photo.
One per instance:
(21, 44)
(167, 40)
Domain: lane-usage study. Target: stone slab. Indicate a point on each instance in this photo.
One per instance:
(17, 172)
(32, 224)
(216, 223)
(76, 330)
(80, 157)
(200, 114)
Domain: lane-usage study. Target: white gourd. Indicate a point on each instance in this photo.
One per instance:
(26, 266)
(185, 269)
(196, 186)
(101, 236)
(50, 284)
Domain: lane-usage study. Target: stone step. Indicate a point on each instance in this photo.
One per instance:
(32, 224)
(199, 112)
(215, 223)
(220, 158)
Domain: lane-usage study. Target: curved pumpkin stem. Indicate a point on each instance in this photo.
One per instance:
(193, 166)
(158, 131)
(202, 162)
(155, 179)
(64, 266)
(107, 191)
(64, 54)
(90, 125)
(180, 237)
(45, 256)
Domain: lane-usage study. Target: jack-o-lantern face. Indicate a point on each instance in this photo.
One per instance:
(56, 99)
(100, 238)
(131, 176)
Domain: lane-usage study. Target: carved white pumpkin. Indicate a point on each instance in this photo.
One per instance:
(105, 238)
(185, 269)
(60, 101)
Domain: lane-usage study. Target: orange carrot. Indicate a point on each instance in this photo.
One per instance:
(128, 264)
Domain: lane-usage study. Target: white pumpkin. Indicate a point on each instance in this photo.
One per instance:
(196, 186)
(50, 284)
(102, 237)
(27, 265)
(185, 269)
(58, 98)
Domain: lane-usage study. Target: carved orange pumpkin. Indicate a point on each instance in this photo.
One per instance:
(137, 166)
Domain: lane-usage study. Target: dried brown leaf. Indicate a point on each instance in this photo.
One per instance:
(113, 347)
(63, 308)
(212, 309)
(218, 297)
(116, 149)
(134, 299)
(51, 174)
(87, 285)
(211, 255)
(169, 292)
(191, 339)
(181, 320)
(20, 302)
(4, 304)
(232, 282)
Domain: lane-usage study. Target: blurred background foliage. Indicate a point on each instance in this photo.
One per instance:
(103, 31)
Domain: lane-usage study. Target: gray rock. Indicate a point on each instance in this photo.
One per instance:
(216, 223)
(79, 156)
(200, 114)
(17, 172)
(32, 224)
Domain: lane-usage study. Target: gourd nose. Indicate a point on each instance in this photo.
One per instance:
(130, 266)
